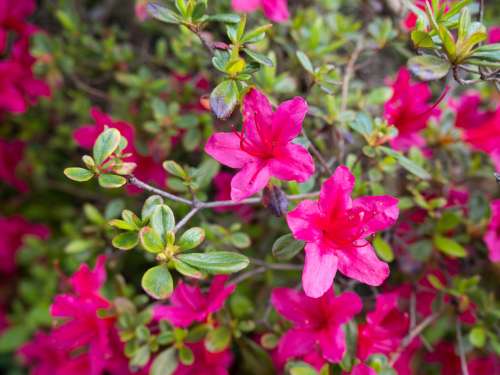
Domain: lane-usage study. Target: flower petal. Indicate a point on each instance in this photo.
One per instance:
(257, 117)
(319, 270)
(225, 148)
(245, 5)
(332, 343)
(288, 118)
(335, 195)
(291, 304)
(292, 163)
(295, 343)
(301, 221)
(362, 369)
(219, 293)
(361, 263)
(252, 178)
(276, 10)
(177, 315)
(345, 306)
(380, 212)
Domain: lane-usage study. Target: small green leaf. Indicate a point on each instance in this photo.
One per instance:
(217, 262)
(162, 13)
(162, 220)
(305, 61)
(111, 181)
(428, 67)
(406, 163)
(186, 270)
(286, 247)
(383, 249)
(477, 336)
(191, 238)
(165, 363)
(225, 18)
(448, 221)
(150, 205)
(218, 339)
(449, 247)
(126, 241)
(157, 282)
(421, 39)
(122, 224)
(78, 174)
(224, 99)
(151, 241)
(106, 144)
(258, 57)
(435, 282)
(186, 356)
(300, 368)
(256, 34)
(240, 240)
(174, 169)
(141, 356)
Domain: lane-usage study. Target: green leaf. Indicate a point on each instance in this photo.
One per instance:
(421, 39)
(141, 356)
(122, 224)
(218, 339)
(78, 174)
(186, 270)
(240, 240)
(191, 238)
(256, 34)
(111, 181)
(448, 221)
(383, 249)
(106, 144)
(428, 67)
(174, 169)
(186, 356)
(150, 205)
(224, 99)
(448, 42)
(260, 58)
(192, 139)
(286, 247)
(162, 13)
(435, 282)
(477, 337)
(300, 368)
(449, 247)
(225, 18)
(157, 282)
(162, 220)
(126, 241)
(217, 262)
(165, 363)
(151, 241)
(406, 163)
(305, 61)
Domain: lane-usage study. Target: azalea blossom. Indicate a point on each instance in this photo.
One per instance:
(264, 148)
(222, 183)
(13, 14)
(275, 10)
(189, 304)
(11, 157)
(492, 236)
(317, 322)
(362, 369)
(14, 230)
(335, 229)
(148, 169)
(206, 363)
(494, 34)
(409, 110)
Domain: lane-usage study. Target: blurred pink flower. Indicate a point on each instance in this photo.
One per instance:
(148, 169)
(492, 235)
(409, 110)
(362, 369)
(384, 329)
(13, 231)
(11, 156)
(264, 148)
(189, 304)
(222, 184)
(494, 34)
(335, 229)
(468, 112)
(141, 10)
(275, 10)
(13, 14)
(206, 363)
(317, 322)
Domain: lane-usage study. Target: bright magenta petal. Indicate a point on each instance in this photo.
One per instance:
(225, 148)
(276, 10)
(361, 263)
(302, 220)
(380, 212)
(335, 195)
(252, 178)
(288, 118)
(332, 343)
(295, 343)
(291, 304)
(292, 163)
(362, 369)
(319, 270)
(178, 316)
(492, 236)
(257, 118)
(245, 5)
(345, 306)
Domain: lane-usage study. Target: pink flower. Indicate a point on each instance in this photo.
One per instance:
(335, 229)
(317, 322)
(222, 184)
(263, 149)
(384, 329)
(148, 169)
(206, 363)
(468, 113)
(275, 10)
(11, 156)
(13, 16)
(492, 236)
(362, 369)
(189, 304)
(141, 11)
(83, 330)
(494, 34)
(13, 231)
(408, 110)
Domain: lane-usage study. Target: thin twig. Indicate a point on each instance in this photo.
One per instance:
(461, 350)
(207, 43)
(186, 218)
(277, 266)
(246, 275)
(317, 154)
(142, 185)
